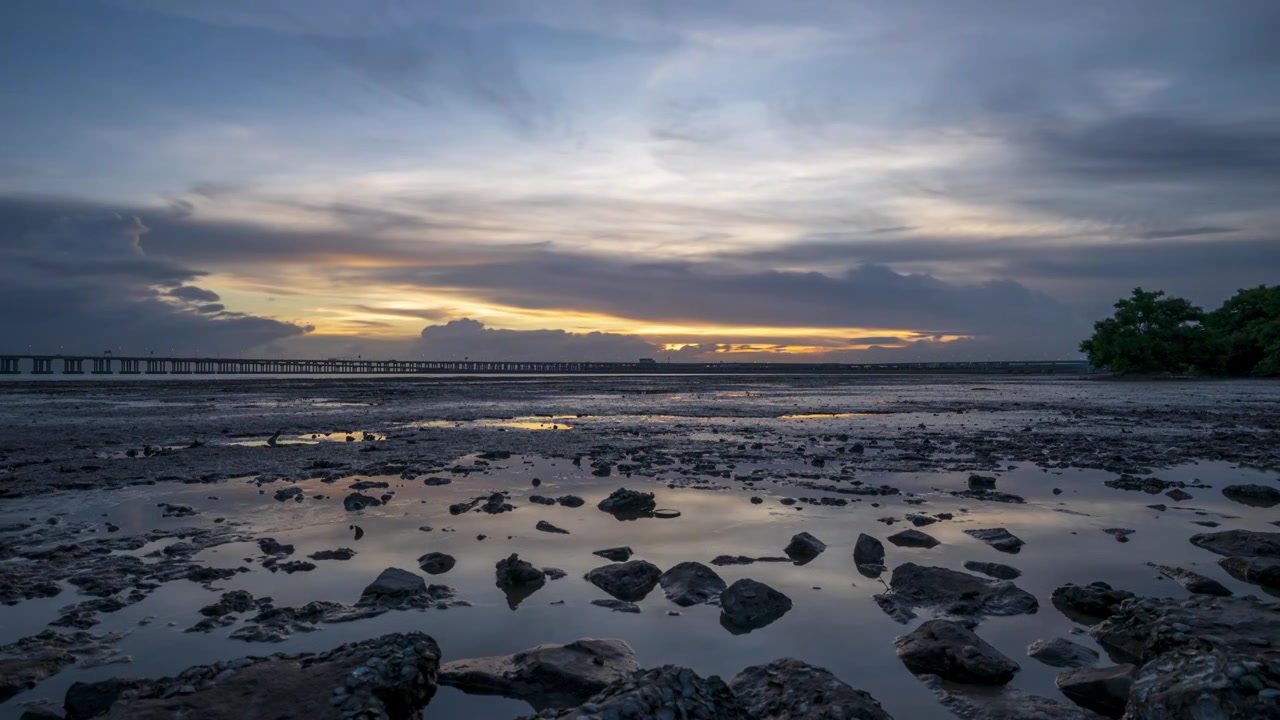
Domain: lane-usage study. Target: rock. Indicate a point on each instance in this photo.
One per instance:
(748, 605)
(1193, 582)
(920, 520)
(914, 539)
(663, 514)
(394, 583)
(26, 662)
(289, 493)
(1102, 690)
(1061, 652)
(269, 546)
(804, 547)
(998, 538)
(1193, 683)
(518, 579)
(952, 652)
(554, 573)
(236, 601)
(995, 570)
(970, 702)
(541, 500)
(570, 501)
(989, 496)
(616, 554)
(617, 605)
(953, 593)
(1240, 543)
(387, 677)
(1239, 629)
(691, 583)
(868, 551)
(791, 689)
(1120, 534)
(1178, 495)
(1259, 571)
(436, 481)
(359, 501)
(628, 503)
(547, 676)
(339, 554)
(982, 482)
(369, 485)
(662, 693)
(756, 500)
(630, 581)
(547, 527)
(436, 563)
(1086, 604)
(1148, 485)
(1251, 494)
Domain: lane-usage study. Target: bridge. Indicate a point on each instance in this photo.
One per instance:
(150, 365)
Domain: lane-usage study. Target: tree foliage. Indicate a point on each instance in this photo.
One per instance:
(1150, 332)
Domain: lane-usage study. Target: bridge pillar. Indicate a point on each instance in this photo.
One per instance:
(156, 367)
(102, 366)
(129, 367)
(9, 366)
(72, 366)
(41, 366)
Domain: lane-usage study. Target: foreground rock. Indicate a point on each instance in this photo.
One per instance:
(804, 547)
(980, 703)
(1193, 582)
(789, 688)
(1255, 495)
(663, 692)
(518, 579)
(1206, 652)
(691, 583)
(868, 551)
(26, 662)
(995, 570)
(630, 581)
(628, 503)
(1240, 543)
(913, 538)
(952, 652)
(1102, 690)
(1087, 604)
(1061, 652)
(1259, 571)
(998, 538)
(748, 605)
(393, 676)
(547, 676)
(953, 593)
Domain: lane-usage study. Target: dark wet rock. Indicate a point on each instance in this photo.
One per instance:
(1258, 571)
(977, 702)
(1240, 543)
(628, 503)
(394, 583)
(436, 481)
(1102, 690)
(359, 531)
(84, 615)
(339, 554)
(1178, 495)
(1193, 582)
(369, 485)
(631, 580)
(518, 579)
(463, 507)
(554, 573)
(359, 501)
(26, 662)
(998, 538)
(953, 652)
(666, 514)
(691, 583)
(789, 688)
(723, 560)
(547, 527)
(392, 676)
(1149, 485)
(1143, 629)
(920, 520)
(982, 482)
(868, 551)
(541, 500)
(436, 563)
(804, 547)
(176, 510)
(570, 501)
(617, 605)
(748, 605)
(236, 601)
(1120, 534)
(989, 496)
(952, 593)
(289, 493)
(756, 500)
(269, 546)
(290, 567)
(616, 554)
(995, 570)
(913, 539)
(661, 693)
(1061, 652)
(495, 504)
(1087, 604)
(547, 676)
(1252, 494)
(204, 574)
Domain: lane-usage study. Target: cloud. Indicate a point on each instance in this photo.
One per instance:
(194, 294)
(467, 338)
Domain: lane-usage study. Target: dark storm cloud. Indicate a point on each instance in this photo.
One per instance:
(467, 338)
(194, 294)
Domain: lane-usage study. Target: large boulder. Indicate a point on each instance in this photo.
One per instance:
(1102, 690)
(952, 593)
(1061, 652)
(691, 583)
(914, 539)
(952, 652)
(1087, 604)
(663, 692)
(1256, 570)
(393, 676)
(394, 583)
(804, 548)
(789, 688)
(1194, 582)
(518, 579)
(1252, 494)
(1240, 543)
(868, 551)
(628, 503)
(998, 538)
(630, 581)
(748, 605)
(547, 676)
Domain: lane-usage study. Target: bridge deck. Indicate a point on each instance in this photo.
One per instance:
(125, 365)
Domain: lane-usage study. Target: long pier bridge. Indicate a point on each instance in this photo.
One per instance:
(150, 365)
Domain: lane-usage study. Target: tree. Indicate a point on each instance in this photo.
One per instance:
(1246, 332)
(1150, 333)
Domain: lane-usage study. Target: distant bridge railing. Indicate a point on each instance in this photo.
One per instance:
(150, 365)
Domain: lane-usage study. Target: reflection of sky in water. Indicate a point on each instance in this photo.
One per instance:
(837, 626)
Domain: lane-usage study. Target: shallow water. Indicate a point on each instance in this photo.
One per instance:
(834, 622)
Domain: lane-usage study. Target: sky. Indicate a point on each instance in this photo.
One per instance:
(702, 180)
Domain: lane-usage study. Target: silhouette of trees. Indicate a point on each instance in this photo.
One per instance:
(1246, 331)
